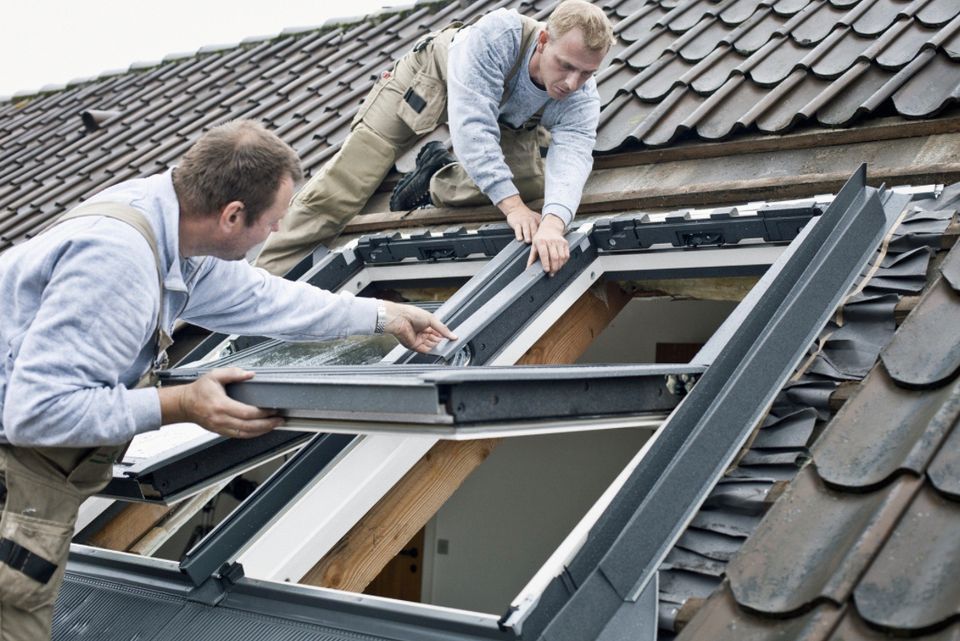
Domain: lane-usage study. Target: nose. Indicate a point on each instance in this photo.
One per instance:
(570, 81)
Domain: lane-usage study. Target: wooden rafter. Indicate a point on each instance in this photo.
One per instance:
(381, 534)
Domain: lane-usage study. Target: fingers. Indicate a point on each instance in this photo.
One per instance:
(529, 229)
(212, 409)
(439, 328)
(533, 255)
(249, 429)
(227, 375)
(553, 254)
(524, 223)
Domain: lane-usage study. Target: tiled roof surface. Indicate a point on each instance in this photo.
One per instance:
(864, 544)
(681, 69)
(714, 68)
(845, 353)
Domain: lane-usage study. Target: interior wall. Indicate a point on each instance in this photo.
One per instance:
(508, 517)
(633, 335)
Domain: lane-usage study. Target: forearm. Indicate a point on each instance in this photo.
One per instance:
(171, 405)
(238, 299)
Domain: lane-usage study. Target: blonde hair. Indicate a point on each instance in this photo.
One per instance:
(591, 20)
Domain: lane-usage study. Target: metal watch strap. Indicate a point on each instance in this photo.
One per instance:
(381, 317)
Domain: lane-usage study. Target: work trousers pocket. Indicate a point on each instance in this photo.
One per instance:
(424, 102)
(34, 552)
(44, 488)
(36, 526)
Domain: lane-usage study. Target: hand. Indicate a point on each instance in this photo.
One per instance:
(550, 245)
(523, 220)
(415, 328)
(205, 402)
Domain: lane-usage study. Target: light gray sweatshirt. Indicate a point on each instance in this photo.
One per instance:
(481, 56)
(80, 306)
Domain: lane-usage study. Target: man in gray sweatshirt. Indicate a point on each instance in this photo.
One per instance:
(88, 306)
(508, 84)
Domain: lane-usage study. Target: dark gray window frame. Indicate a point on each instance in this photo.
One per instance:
(614, 565)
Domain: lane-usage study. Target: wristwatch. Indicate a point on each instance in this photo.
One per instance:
(381, 317)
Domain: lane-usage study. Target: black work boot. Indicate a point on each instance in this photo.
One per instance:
(413, 189)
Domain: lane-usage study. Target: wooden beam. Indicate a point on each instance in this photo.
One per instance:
(175, 519)
(572, 334)
(380, 535)
(885, 129)
(129, 526)
(658, 197)
(732, 288)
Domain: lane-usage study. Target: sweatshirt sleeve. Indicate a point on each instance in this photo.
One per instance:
(98, 310)
(478, 62)
(570, 154)
(237, 298)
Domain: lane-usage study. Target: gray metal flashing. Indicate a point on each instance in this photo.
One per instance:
(150, 597)
(628, 544)
(635, 620)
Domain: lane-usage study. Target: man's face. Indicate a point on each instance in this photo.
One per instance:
(240, 239)
(565, 63)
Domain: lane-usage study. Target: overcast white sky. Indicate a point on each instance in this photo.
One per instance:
(54, 41)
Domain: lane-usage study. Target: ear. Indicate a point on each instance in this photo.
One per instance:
(231, 215)
(542, 40)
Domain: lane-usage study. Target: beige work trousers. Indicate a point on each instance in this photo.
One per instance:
(44, 489)
(384, 128)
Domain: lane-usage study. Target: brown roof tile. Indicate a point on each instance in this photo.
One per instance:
(794, 560)
(915, 357)
(944, 471)
(912, 585)
(722, 620)
(853, 628)
(888, 429)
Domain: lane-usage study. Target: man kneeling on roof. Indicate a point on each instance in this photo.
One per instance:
(88, 306)
(509, 83)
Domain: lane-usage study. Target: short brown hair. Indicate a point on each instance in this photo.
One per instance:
(591, 20)
(239, 160)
